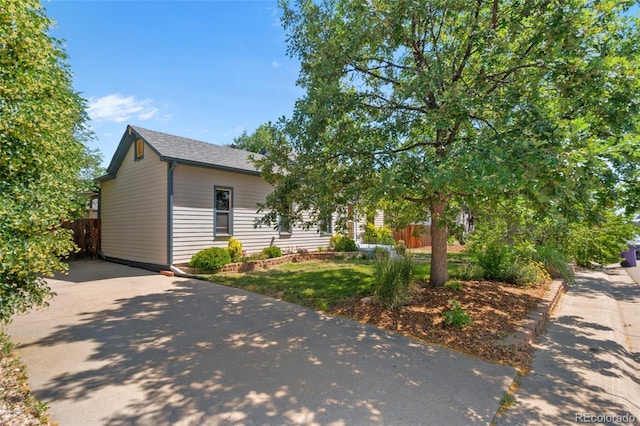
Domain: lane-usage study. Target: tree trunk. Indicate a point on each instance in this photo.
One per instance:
(439, 274)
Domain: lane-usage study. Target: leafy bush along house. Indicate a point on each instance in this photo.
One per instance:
(165, 197)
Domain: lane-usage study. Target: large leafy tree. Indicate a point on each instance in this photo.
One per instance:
(42, 126)
(441, 103)
(258, 141)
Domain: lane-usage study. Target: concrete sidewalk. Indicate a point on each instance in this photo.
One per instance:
(120, 345)
(586, 367)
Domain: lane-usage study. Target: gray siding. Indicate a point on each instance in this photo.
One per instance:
(134, 210)
(193, 223)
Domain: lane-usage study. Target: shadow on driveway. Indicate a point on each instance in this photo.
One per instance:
(158, 350)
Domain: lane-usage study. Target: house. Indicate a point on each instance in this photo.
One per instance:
(165, 197)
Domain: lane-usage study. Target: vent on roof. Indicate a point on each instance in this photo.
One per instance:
(139, 154)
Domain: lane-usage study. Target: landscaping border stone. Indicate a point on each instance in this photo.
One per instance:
(253, 265)
(529, 331)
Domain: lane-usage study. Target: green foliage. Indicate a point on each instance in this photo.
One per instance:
(258, 141)
(453, 285)
(401, 248)
(380, 252)
(504, 100)
(42, 126)
(392, 278)
(210, 259)
(272, 251)
(312, 284)
(234, 247)
(340, 242)
(496, 260)
(600, 243)
(468, 272)
(527, 272)
(555, 263)
(378, 235)
(456, 316)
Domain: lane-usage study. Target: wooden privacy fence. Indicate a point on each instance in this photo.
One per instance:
(86, 235)
(414, 236)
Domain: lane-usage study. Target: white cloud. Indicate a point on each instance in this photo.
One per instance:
(276, 64)
(118, 108)
(237, 131)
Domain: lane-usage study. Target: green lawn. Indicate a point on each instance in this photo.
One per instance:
(321, 284)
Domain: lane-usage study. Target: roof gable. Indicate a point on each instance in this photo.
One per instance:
(183, 150)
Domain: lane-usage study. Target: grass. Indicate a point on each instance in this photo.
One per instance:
(316, 284)
(322, 284)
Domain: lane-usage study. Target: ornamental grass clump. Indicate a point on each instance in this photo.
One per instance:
(392, 280)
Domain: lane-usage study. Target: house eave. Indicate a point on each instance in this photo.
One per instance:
(209, 166)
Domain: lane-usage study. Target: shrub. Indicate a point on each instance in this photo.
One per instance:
(392, 279)
(210, 259)
(528, 272)
(341, 242)
(235, 249)
(556, 263)
(496, 260)
(378, 235)
(272, 251)
(456, 316)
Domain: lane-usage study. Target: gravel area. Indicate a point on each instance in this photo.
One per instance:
(18, 407)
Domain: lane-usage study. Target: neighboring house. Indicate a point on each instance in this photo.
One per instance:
(165, 197)
(92, 206)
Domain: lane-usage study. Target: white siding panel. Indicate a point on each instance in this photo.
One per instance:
(193, 214)
(134, 210)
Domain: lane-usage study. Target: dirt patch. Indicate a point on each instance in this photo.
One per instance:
(496, 310)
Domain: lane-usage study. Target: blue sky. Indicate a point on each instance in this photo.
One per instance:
(207, 69)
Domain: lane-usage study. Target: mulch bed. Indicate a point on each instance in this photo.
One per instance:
(496, 309)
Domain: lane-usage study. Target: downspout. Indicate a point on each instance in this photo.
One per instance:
(172, 167)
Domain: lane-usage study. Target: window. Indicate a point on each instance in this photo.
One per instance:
(139, 150)
(325, 224)
(223, 207)
(286, 226)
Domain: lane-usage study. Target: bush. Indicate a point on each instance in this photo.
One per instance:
(341, 242)
(401, 248)
(392, 279)
(502, 262)
(555, 263)
(456, 316)
(378, 235)
(528, 272)
(210, 259)
(235, 249)
(496, 260)
(272, 251)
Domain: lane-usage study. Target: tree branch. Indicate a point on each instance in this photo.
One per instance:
(467, 54)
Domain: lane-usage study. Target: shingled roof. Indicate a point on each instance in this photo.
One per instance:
(183, 150)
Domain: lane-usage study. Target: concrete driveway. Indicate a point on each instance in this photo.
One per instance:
(120, 345)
